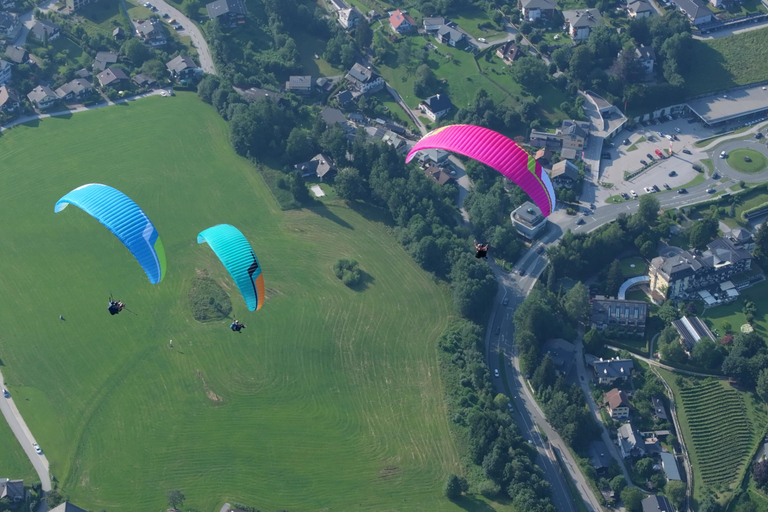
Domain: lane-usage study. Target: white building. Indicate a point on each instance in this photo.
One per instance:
(528, 220)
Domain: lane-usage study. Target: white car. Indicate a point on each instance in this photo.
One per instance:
(482, 39)
(723, 154)
(648, 190)
(668, 137)
(677, 129)
(496, 372)
(38, 449)
(633, 193)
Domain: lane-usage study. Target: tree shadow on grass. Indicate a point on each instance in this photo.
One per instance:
(366, 280)
(32, 123)
(371, 213)
(323, 211)
(472, 504)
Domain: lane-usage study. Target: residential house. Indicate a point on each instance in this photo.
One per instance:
(44, 28)
(118, 34)
(256, 94)
(639, 9)
(436, 107)
(143, 80)
(611, 370)
(5, 72)
(562, 354)
(12, 490)
(580, 22)
(363, 80)
(617, 404)
(432, 24)
(84, 73)
(299, 84)
(394, 140)
(628, 316)
(449, 35)
(111, 77)
(509, 52)
(656, 503)
(16, 54)
(229, 12)
(103, 60)
(8, 4)
(349, 18)
(333, 116)
(697, 11)
(692, 330)
(630, 442)
(320, 166)
(77, 89)
(571, 135)
(344, 97)
(9, 100)
(337, 5)
(528, 220)
(42, 97)
(659, 411)
(325, 85)
(76, 5)
(683, 275)
(401, 23)
(182, 67)
(437, 174)
(599, 457)
(534, 9)
(647, 57)
(544, 157)
(437, 157)
(10, 26)
(67, 507)
(151, 32)
(669, 463)
(564, 174)
(742, 238)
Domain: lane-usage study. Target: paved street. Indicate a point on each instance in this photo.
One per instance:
(191, 30)
(25, 437)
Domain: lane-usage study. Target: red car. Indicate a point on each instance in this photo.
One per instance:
(659, 153)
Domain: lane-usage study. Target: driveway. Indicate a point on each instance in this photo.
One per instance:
(191, 30)
(413, 115)
(25, 437)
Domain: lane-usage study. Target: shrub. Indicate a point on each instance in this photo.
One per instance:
(348, 271)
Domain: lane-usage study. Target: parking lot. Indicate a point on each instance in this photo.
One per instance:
(613, 170)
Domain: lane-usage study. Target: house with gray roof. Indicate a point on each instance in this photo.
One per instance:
(669, 463)
(43, 28)
(182, 67)
(628, 316)
(299, 84)
(229, 12)
(659, 410)
(10, 26)
(349, 18)
(76, 89)
(432, 156)
(611, 370)
(639, 9)
(696, 11)
(151, 32)
(656, 503)
(103, 60)
(16, 54)
(111, 77)
(599, 457)
(432, 23)
(631, 443)
(528, 220)
(449, 35)
(9, 99)
(534, 9)
(363, 80)
(562, 354)
(256, 94)
(143, 80)
(436, 107)
(333, 116)
(42, 97)
(580, 22)
(692, 330)
(320, 166)
(12, 490)
(5, 72)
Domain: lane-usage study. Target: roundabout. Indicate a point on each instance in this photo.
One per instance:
(735, 166)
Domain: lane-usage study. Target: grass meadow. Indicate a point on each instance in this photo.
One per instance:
(14, 463)
(722, 428)
(329, 399)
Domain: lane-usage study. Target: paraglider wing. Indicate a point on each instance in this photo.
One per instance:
(125, 220)
(238, 258)
(497, 151)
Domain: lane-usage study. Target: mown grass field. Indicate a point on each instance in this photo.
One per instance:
(329, 399)
(635, 266)
(732, 313)
(721, 427)
(719, 64)
(14, 463)
(469, 21)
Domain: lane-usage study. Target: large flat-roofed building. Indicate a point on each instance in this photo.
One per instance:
(625, 315)
(528, 220)
(669, 464)
(691, 330)
(720, 108)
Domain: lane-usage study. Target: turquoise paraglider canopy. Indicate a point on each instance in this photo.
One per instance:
(118, 213)
(234, 251)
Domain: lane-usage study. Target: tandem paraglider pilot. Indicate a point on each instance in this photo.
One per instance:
(115, 307)
(482, 250)
(236, 326)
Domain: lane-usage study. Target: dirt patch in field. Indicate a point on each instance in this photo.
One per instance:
(213, 397)
(389, 472)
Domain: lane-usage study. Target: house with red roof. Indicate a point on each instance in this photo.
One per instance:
(401, 23)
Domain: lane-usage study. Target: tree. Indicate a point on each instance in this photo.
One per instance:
(671, 440)
(348, 271)
(175, 498)
(762, 384)
(675, 491)
(706, 353)
(644, 467)
(576, 302)
(135, 51)
(501, 401)
(761, 241)
(155, 69)
(581, 63)
(708, 504)
(561, 57)
(633, 499)
(53, 499)
(363, 34)
(703, 231)
(425, 82)
(298, 189)
(605, 45)
(593, 341)
(349, 184)
(672, 353)
(207, 87)
(192, 8)
(628, 68)
(299, 147)
(618, 484)
(404, 54)
(760, 473)
(615, 278)
(648, 209)
(453, 487)
(529, 72)
(668, 312)
(545, 375)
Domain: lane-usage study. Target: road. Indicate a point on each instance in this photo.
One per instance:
(191, 30)
(408, 111)
(25, 437)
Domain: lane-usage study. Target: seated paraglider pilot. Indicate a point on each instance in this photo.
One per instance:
(482, 250)
(115, 307)
(236, 326)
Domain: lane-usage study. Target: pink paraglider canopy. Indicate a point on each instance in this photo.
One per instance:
(497, 151)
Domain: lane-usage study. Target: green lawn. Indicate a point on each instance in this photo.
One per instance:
(721, 427)
(633, 147)
(731, 313)
(309, 46)
(757, 161)
(330, 399)
(738, 9)
(395, 111)
(719, 64)
(470, 19)
(632, 267)
(103, 17)
(14, 463)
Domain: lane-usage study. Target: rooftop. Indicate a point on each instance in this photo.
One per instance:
(565, 169)
(180, 63)
(659, 410)
(724, 107)
(437, 103)
(333, 116)
(614, 368)
(398, 18)
(670, 466)
(655, 503)
(616, 398)
(221, 7)
(692, 330)
(561, 352)
(539, 4)
(598, 455)
(581, 18)
(362, 74)
(528, 213)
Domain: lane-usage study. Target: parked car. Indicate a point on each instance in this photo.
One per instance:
(659, 153)
(710, 191)
(580, 221)
(496, 372)
(633, 193)
(643, 162)
(592, 206)
(505, 301)
(682, 191)
(521, 272)
(511, 409)
(672, 174)
(667, 186)
(747, 159)
(716, 176)
(648, 190)
(697, 168)
(669, 137)
(758, 135)
(626, 142)
(481, 39)
(677, 129)
(660, 134)
(624, 195)
(166, 15)
(656, 188)
(540, 250)
(687, 152)
(37, 449)
(650, 156)
(674, 137)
